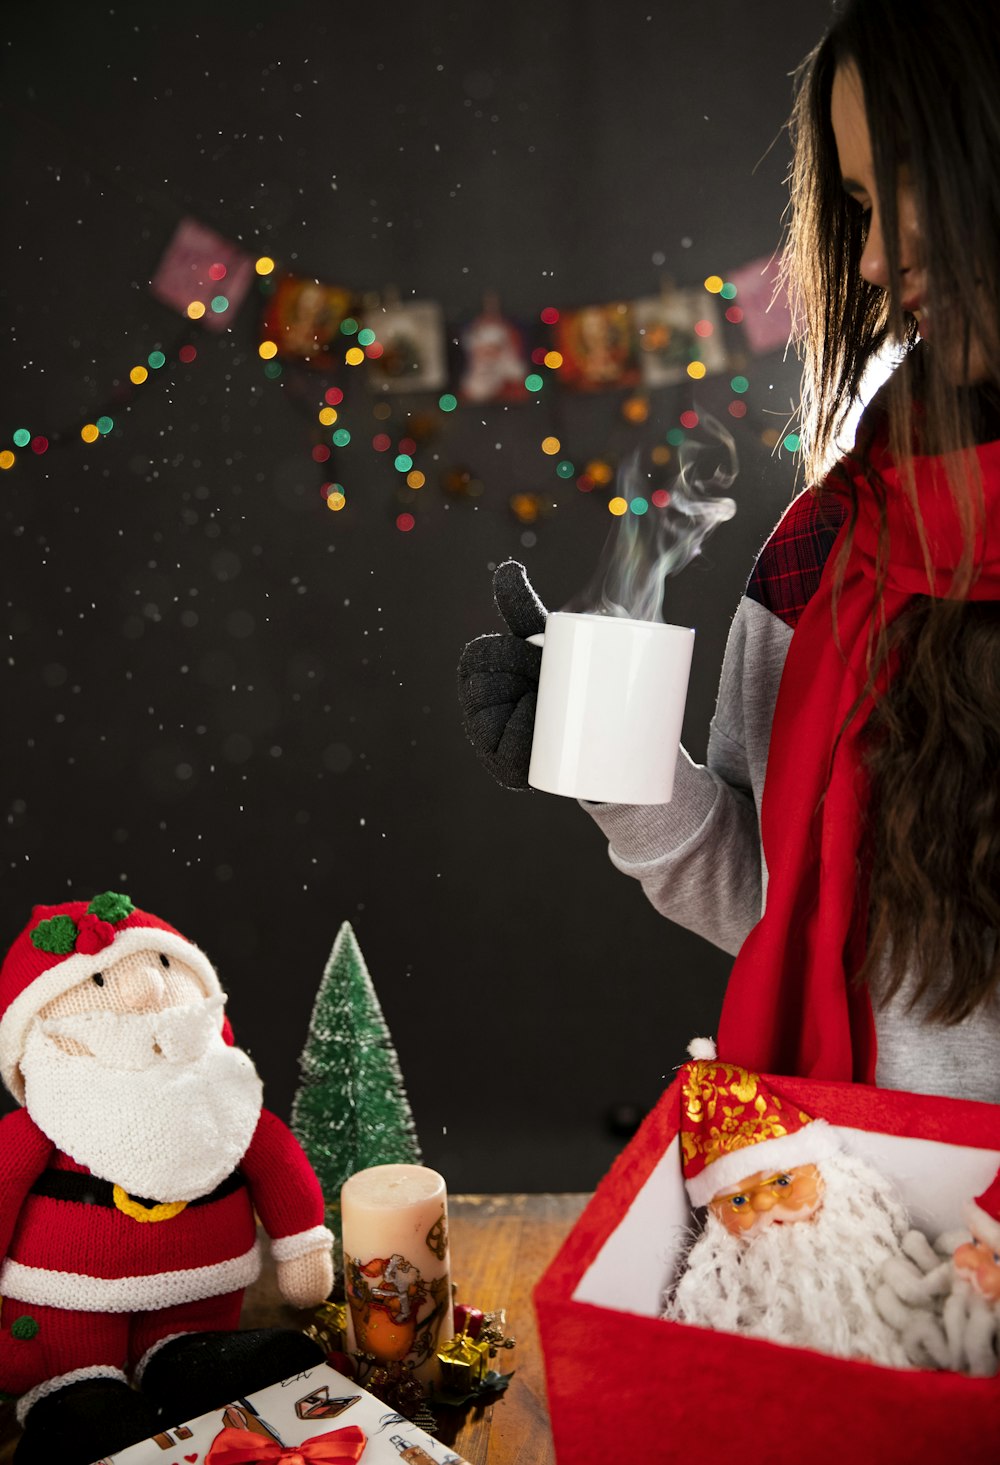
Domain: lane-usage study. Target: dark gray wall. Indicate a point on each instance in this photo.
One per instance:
(564, 152)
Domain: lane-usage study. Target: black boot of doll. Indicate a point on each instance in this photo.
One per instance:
(84, 1421)
(201, 1371)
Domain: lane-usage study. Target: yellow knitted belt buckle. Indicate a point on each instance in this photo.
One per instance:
(162, 1212)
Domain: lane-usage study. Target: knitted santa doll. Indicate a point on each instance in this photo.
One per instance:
(129, 1179)
(796, 1229)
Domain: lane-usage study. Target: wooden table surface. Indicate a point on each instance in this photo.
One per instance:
(500, 1245)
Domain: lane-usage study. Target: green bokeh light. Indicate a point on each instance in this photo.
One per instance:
(22, 437)
(447, 403)
(639, 505)
(104, 425)
(272, 370)
(740, 384)
(728, 291)
(219, 304)
(792, 442)
(534, 382)
(341, 437)
(156, 359)
(676, 436)
(565, 469)
(348, 326)
(404, 462)
(365, 337)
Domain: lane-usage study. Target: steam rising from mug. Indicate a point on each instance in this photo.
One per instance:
(643, 549)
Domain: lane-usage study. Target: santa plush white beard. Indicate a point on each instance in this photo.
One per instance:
(807, 1283)
(163, 1107)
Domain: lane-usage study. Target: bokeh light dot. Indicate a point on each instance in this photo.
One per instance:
(366, 337)
(374, 351)
(550, 315)
(737, 408)
(264, 265)
(39, 445)
(448, 402)
(403, 462)
(336, 500)
(565, 469)
(155, 359)
(553, 360)
(728, 291)
(734, 314)
(416, 479)
(585, 483)
(272, 370)
(187, 354)
(689, 419)
(321, 453)
(381, 442)
(138, 375)
(407, 445)
(675, 437)
(714, 284)
(354, 356)
(660, 497)
(661, 454)
(551, 445)
(792, 442)
(342, 437)
(704, 328)
(217, 272)
(219, 304)
(770, 437)
(105, 425)
(196, 310)
(267, 349)
(22, 437)
(89, 432)
(534, 382)
(538, 355)
(348, 325)
(639, 505)
(696, 370)
(7, 458)
(599, 471)
(328, 416)
(617, 506)
(405, 522)
(334, 396)
(740, 384)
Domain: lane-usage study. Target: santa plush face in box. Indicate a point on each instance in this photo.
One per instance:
(796, 1229)
(129, 1180)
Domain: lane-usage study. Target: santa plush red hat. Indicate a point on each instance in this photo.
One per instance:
(63, 945)
(982, 1215)
(733, 1125)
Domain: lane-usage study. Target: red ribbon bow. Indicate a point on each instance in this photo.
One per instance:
(244, 1447)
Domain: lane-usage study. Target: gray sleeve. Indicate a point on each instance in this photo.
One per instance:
(699, 858)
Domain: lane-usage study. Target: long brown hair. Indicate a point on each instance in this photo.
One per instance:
(930, 79)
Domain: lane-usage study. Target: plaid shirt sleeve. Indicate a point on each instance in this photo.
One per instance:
(790, 566)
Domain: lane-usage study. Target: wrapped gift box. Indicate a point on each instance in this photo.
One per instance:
(625, 1385)
(286, 1415)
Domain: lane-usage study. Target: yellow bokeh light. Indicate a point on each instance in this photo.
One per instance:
(714, 284)
(636, 409)
(328, 416)
(196, 310)
(264, 265)
(696, 370)
(89, 432)
(617, 506)
(355, 356)
(553, 360)
(336, 501)
(599, 471)
(7, 458)
(770, 437)
(138, 375)
(660, 454)
(416, 479)
(266, 350)
(551, 445)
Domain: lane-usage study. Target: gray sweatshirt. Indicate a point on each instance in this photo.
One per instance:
(700, 862)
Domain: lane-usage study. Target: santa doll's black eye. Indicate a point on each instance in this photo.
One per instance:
(163, 960)
(98, 979)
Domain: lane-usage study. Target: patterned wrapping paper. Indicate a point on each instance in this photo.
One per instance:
(289, 1413)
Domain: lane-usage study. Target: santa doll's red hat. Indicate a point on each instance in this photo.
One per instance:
(982, 1215)
(63, 945)
(734, 1125)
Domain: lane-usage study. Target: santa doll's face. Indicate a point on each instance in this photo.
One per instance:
(981, 1264)
(769, 1198)
(129, 1074)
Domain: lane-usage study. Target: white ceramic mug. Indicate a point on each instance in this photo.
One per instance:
(611, 697)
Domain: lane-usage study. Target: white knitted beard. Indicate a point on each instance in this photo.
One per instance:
(807, 1283)
(164, 1125)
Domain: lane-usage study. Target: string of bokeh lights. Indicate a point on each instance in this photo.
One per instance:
(362, 345)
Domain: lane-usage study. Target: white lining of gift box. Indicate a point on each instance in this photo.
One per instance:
(932, 1179)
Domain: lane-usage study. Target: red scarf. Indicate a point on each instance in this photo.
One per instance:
(791, 1006)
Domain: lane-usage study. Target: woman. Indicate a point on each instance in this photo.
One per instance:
(843, 839)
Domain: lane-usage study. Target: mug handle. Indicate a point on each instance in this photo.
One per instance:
(538, 639)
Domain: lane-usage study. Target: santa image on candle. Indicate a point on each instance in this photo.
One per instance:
(385, 1296)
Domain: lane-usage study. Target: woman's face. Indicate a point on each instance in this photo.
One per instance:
(854, 151)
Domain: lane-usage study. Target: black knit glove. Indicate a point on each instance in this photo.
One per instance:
(498, 680)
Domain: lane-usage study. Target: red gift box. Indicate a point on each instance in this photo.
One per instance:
(626, 1385)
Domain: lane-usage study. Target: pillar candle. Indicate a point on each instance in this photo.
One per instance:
(396, 1266)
